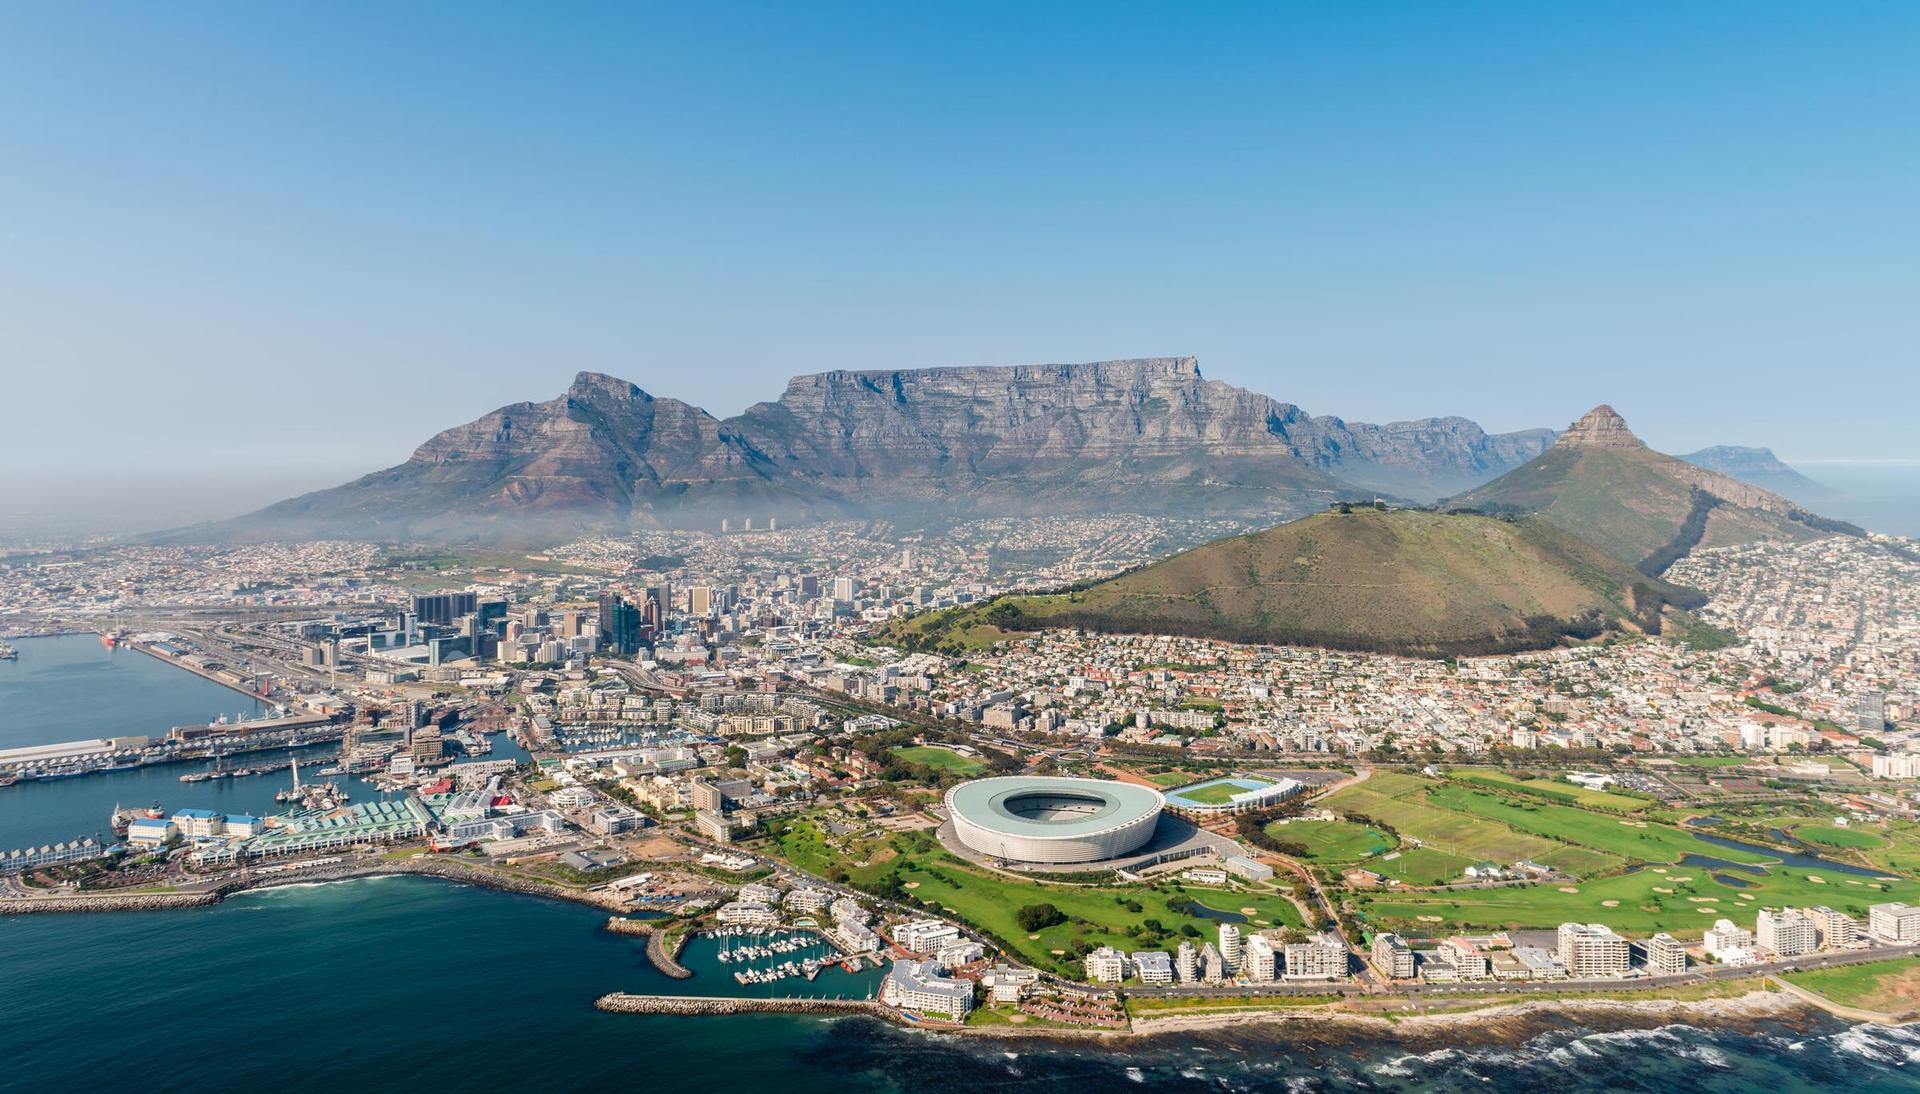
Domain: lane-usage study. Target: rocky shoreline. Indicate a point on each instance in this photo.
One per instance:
(664, 959)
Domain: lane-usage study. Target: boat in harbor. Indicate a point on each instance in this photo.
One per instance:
(8, 653)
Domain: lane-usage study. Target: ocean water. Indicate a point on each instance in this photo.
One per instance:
(71, 688)
(1880, 497)
(397, 983)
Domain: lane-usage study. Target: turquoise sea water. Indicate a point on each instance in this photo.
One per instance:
(410, 983)
(405, 983)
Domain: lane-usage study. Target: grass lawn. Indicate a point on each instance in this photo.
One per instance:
(1637, 841)
(1334, 841)
(1853, 839)
(1891, 987)
(1422, 866)
(1159, 1005)
(1412, 805)
(941, 758)
(1634, 904)
(1597, 799)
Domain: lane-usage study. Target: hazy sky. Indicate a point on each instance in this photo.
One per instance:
(300, 236)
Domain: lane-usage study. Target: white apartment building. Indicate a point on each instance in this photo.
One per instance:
(1895, 922)
(1393, 956)
(925, 935)
(1153, 966)
(1592, 949)
(1730, 945)
(1900, 765)
(1107, 965)
(1230, 946)
(1260, 963)
(1316, 961)
(1186, 962)
(1837, 929)
(1666, 956)
(1785, 933)
(1469, 961)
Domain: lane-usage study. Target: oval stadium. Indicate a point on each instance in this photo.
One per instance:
(1025, 818)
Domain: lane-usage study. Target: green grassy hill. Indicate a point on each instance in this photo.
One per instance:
(1389, 580)
(1601, 484)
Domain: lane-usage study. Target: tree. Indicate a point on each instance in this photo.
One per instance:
(1036, 917)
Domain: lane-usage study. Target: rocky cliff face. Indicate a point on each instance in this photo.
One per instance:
(1151, 436)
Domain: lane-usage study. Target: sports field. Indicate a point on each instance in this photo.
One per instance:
(1580, 795)
(1215, 791)
(1334, 842)
(941, 758)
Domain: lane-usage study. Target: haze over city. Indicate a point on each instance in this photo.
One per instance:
(941, 548)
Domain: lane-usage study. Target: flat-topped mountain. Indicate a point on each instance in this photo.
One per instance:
(1760, 467)
(1600, 483)
(1149, 436)
(1395, 581)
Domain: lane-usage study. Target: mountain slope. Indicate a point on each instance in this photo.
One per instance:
(1149, 436)
(1760, 467)
(1396, 581)
(1601, 484)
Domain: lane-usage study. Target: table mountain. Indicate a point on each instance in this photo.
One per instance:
(1149, 436)
(1760, 467)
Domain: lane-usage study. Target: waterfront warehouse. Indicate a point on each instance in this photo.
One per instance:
(1053, 820)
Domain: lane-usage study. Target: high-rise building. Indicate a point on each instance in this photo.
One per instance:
(443, 608)
(656, 605)
(1107, 965)
(843, 588)
(1666, 956)
(1230, 942)
(1787, 933)
(1259, 962)
(1592, 949)
(1393, 956)
(1894, 922)
(1186, 962)
(622, 628)
(1836, 929)
(1872, 713)
(1318, 960)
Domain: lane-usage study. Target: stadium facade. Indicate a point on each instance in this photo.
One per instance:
(1026, 818)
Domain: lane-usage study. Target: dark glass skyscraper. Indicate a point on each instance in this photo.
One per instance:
(622, 626)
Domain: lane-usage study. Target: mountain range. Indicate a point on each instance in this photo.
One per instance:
(1147, 436)
(1569, 546)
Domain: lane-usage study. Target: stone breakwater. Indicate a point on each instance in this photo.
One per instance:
(697, 1005)
(665, 956)
(108, 902)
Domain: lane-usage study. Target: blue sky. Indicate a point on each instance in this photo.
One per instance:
(299, 236)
